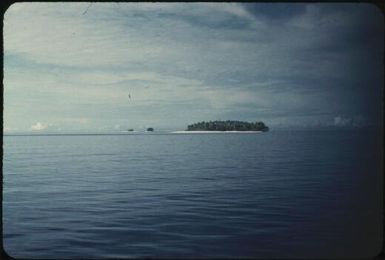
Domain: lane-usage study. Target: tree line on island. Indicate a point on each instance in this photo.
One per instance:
(228, 125)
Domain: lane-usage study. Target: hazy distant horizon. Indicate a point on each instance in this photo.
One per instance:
(102, 67)
(171, 130)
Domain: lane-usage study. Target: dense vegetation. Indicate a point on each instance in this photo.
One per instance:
(228, 126)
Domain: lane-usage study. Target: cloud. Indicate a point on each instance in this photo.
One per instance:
(39, 126)
(74, 120)
(275, 11)
(355, 121)
(8, 129)
(185, 61)
(341, 121)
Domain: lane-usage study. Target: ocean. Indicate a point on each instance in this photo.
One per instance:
(280, 194)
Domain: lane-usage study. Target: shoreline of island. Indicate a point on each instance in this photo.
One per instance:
(215, 132)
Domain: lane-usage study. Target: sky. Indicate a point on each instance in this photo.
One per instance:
(114, 66)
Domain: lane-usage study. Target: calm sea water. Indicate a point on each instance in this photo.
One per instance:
(276, 194)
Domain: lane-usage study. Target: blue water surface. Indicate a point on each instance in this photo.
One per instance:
(277, 194)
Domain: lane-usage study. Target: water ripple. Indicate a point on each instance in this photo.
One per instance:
(271, 195)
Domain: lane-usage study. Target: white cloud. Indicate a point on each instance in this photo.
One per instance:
(70, 38)
(342, 121)
(76, 69)
(231, 8)
(59, 34)
(38, 126)
(8, 129)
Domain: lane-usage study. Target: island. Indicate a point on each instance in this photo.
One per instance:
(228, 125)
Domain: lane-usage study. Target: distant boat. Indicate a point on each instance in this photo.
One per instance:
(130, 130)
(150, 129)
